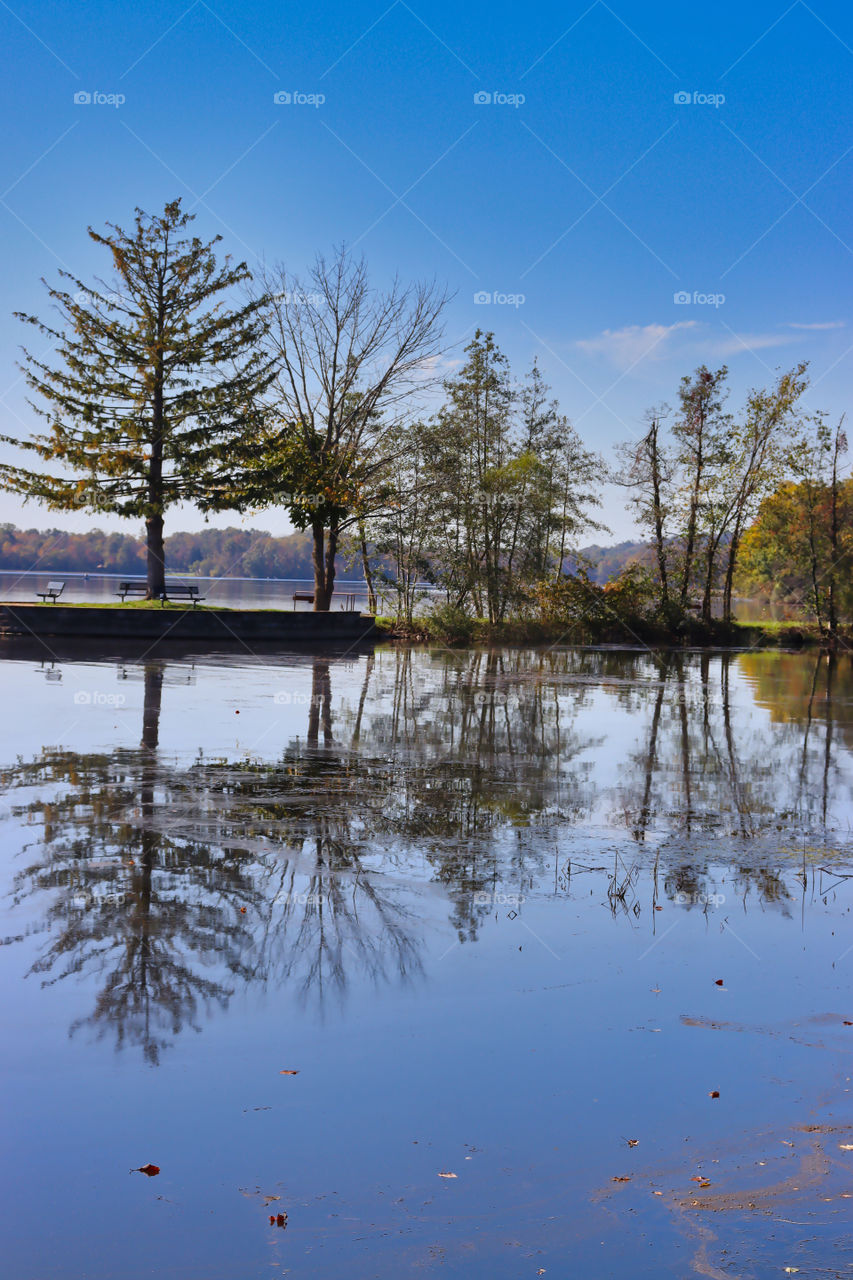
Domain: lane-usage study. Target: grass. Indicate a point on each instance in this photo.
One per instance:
(118, 604)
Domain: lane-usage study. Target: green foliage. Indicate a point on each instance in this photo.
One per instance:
(449, 624)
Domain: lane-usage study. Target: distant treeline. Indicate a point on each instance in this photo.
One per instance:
(223, 553)
(213, 553)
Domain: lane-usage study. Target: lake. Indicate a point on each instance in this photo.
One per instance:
(458, 963)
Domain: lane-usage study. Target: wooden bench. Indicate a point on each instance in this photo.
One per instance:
(174, 591)
(307, 597)
(52, 592)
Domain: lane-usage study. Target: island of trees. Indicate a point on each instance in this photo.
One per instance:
(187, 380)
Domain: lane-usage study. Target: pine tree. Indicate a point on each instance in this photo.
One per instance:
(155, 394)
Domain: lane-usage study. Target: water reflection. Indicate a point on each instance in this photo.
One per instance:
(444, 785)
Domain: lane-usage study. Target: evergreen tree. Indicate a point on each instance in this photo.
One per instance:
(155, 393)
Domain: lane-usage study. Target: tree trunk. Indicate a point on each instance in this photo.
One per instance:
(156, 565)
(324, 552)
(368, 572)
(321, 601)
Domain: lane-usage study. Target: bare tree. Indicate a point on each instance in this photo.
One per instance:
(349, 360)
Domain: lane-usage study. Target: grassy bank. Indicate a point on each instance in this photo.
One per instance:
(691, 634)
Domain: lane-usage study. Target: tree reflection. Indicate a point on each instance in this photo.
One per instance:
(447, 783)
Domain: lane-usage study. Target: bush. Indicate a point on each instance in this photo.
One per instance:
(449, 624)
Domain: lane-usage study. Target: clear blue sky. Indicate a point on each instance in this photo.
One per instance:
(597, 198)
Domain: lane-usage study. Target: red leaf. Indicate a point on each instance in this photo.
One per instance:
(718, 982)
(288, 1073)
(150, 1170)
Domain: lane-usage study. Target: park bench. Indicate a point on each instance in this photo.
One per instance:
(52, 592)
(307, 597)
(174, 591)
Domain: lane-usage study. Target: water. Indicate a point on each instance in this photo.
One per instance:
(230, 593)
(505, 913)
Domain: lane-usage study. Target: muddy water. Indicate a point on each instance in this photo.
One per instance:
(573, 927)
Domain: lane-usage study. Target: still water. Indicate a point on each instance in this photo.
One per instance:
(469, 964)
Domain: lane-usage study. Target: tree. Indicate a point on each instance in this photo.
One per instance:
(347, 359)
(647, 470)
(512, 483)
(156, 390)
(700, 432)
(761, 442)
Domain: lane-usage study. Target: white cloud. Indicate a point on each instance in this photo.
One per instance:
(735, 344)
(627, 347)
(827, 324)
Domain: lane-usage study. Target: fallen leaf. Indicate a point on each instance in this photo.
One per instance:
(242, 911)
(288, 1073)
(845, 1146)
(718, 982)
(715, 1093)
(633, 1142)
(150, 1170)
(447, 1175)
(618, 1179)
(848, 1024)
(694, 1179)
(658, 908)
(278, 1219)
(657, 1193)
(789, 1271)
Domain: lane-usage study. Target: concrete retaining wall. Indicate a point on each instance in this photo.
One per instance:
(277, 625)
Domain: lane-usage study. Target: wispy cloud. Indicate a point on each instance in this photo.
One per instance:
(734, 344)
(626, 347)
(818, 328)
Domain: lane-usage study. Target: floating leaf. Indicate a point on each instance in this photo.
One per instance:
(150, 1170)
(633, 1142)
(447, 1175)
(718, 982)
(715, 1093)
(620, 1179)
(845, 1146)
(278, 1219)
(288, 1073)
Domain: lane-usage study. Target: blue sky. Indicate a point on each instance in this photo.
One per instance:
(584, 209)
